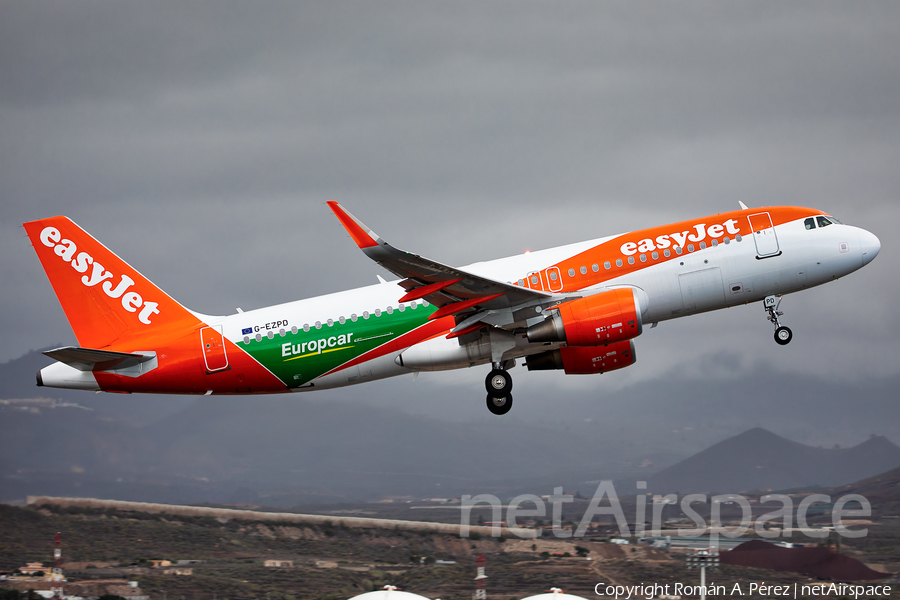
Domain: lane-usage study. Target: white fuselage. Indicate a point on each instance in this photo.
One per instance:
(716, 277)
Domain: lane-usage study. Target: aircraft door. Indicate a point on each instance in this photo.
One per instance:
(213, 347)
(534, 281)
(764, 235)
(554, 279)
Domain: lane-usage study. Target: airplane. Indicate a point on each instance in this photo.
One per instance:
(576, 308)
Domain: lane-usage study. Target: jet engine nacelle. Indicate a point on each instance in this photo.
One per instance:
(585, 360)
(604, 318)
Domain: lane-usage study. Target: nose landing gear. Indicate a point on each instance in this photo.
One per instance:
(499, 385)
(499, 405)
(498, 382)
(783, 335)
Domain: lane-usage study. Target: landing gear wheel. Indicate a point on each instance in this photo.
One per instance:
(498, 383)
(499, 405)
(783, 335)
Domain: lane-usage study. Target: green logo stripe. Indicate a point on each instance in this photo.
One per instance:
(298, 358)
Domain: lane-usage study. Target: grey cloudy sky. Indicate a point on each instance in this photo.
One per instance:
(200, 141)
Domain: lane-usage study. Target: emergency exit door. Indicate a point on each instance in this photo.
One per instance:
(213, 347)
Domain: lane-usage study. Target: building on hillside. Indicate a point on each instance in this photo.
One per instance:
(35, 571)
(179, 571)
(278, 563)
(127, 591)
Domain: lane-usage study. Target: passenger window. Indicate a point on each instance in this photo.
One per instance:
(810, 223)
(823, 222)
(606, 265)
(553, 275)
(583, 270)
(595, 267)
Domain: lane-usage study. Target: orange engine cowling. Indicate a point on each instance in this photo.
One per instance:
(601, 319)
(585, 360)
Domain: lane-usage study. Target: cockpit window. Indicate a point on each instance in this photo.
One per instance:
(833, 220)
(823, 221)
(810, 223)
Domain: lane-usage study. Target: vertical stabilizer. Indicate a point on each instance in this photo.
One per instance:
(104, 298)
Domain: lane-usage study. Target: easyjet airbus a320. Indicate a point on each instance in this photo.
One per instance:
(577, 308)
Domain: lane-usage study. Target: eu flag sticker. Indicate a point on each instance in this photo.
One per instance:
(246, 330)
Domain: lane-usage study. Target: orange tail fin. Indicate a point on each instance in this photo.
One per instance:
(104, 298)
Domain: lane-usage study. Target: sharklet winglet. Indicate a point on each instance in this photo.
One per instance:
(361, 234)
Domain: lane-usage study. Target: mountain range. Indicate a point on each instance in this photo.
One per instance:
(350, 445)
(758, 459)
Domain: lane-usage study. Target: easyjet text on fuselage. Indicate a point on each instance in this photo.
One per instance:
(697, 233)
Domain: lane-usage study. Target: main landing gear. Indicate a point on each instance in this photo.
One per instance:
(783, 335)
(499, 385)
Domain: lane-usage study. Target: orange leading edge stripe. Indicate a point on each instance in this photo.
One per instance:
(362, 237)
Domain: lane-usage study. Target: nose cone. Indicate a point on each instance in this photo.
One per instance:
(869, 245)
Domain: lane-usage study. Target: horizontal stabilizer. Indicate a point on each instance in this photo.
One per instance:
(88, 359)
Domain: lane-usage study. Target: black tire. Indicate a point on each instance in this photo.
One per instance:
(498, 382)
(499, 405)
(783, 335)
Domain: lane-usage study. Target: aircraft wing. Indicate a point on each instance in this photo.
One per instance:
(452, 290)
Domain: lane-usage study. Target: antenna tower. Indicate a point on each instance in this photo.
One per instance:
(480, 592)
(57, 554)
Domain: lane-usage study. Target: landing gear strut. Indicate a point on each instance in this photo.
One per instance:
(499, 385)
(783, 335)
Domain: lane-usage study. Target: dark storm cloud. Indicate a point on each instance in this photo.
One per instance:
(199, 140)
